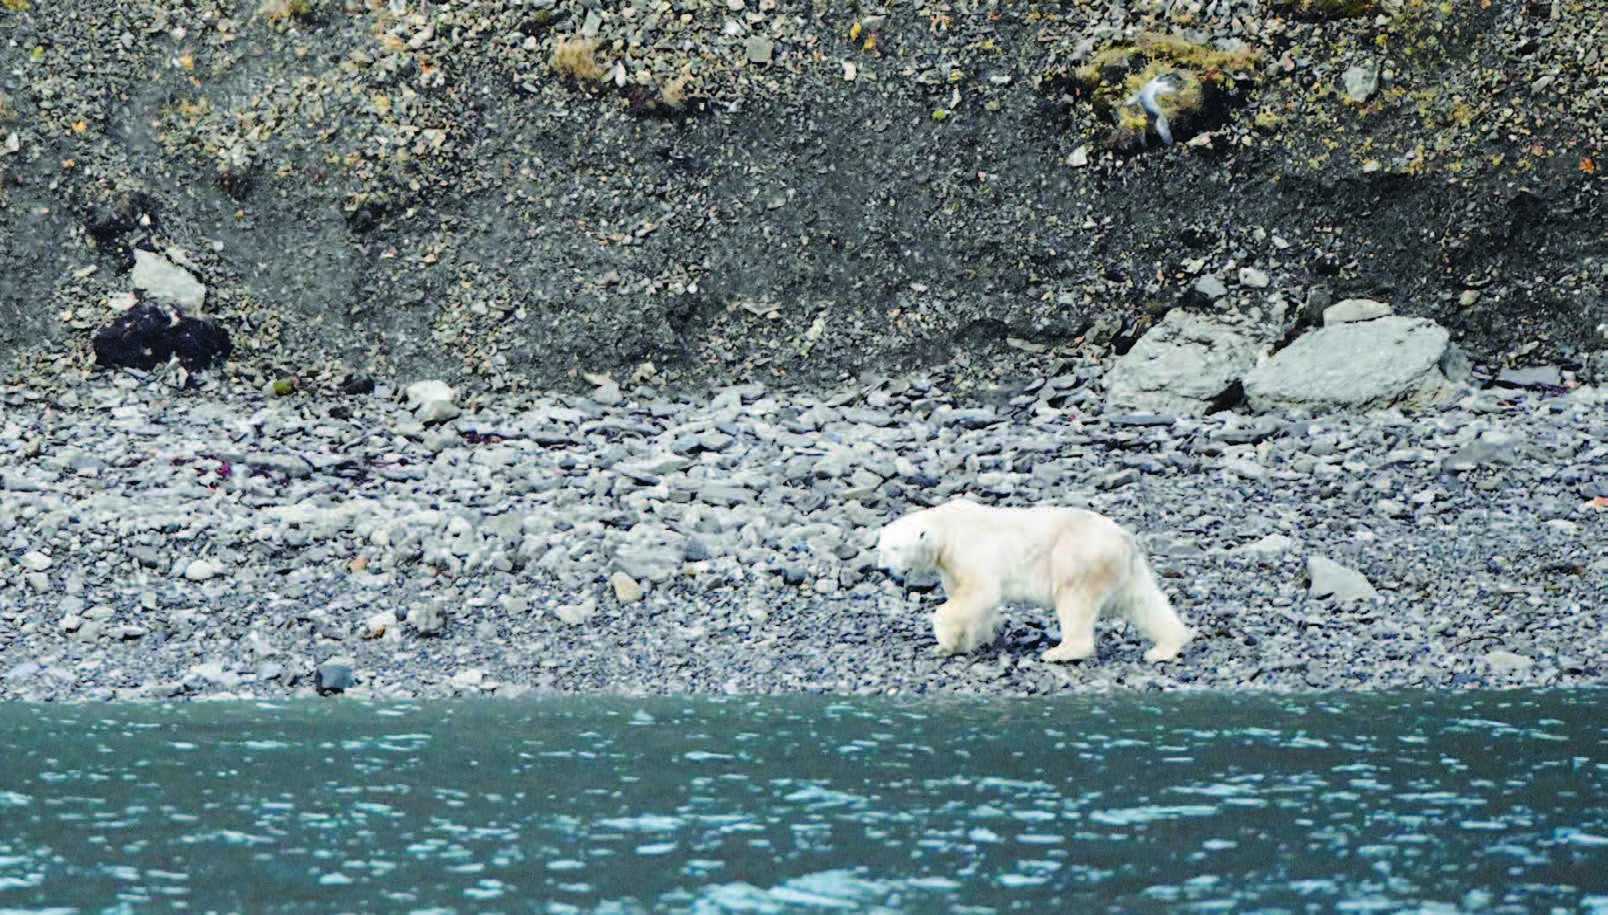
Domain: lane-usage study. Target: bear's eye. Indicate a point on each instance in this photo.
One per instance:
(922, 536)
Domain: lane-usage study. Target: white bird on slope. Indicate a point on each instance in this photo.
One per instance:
(1145, 98)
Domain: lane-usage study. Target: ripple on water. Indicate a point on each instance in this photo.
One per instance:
(1131, 816)
(832, 890)
(694, 810)
(1584, 839)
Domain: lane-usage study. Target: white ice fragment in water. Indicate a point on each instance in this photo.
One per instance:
(1014, 881)
(648, 822)
(1130, 816)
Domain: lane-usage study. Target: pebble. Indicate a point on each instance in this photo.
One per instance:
(1349, 311)
(626, 589)
(1507, 662)
(378, 625)
(1210, 288)
(1330, 579)
(200, 570)
(579, 613)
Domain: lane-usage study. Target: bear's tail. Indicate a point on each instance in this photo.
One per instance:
(1141, 600)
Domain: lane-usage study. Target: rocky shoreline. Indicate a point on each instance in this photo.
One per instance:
(212, 541)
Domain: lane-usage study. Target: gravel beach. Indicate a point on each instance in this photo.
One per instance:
(162, 542)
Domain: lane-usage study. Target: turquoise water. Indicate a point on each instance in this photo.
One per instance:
(1444, 802)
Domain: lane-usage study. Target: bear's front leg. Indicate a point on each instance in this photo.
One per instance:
(963, 623)
(950, 633)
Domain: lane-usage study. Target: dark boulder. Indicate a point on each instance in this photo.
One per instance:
(335, 676)
(147, 335)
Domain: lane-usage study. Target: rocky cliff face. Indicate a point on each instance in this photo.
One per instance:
(514, 193)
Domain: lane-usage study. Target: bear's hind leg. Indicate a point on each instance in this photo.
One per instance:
(1076, 607)
(1087, 575)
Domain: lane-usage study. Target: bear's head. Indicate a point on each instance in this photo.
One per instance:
(907, 545)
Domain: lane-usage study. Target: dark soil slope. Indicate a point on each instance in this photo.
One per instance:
(521, 190)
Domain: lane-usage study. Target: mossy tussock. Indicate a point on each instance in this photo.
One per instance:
(1211, 83)
(1322, 10)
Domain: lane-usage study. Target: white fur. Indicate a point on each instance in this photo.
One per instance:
(1078, 562)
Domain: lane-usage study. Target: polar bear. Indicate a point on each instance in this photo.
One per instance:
(1076, 561)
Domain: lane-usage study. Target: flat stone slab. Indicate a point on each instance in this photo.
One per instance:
(166, 281)
(1180, 367)
(1389, 361)
(1351, 311)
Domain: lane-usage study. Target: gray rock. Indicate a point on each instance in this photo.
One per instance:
(24, 671)
(431, 401)
(1181, 366)
(201, 570)
(1535, 376)
(1141, 419)
(759, 49)
(626, 589)
(1491, 448)
(975, 418)
(335, 676)
(1210, 288)
(1254, 278)
(426, 619)
(1507, 662)
(1327, 578)
(35, 561)
(1361, 82)
(166, 281)
(1350, 311)
(608, 393)
(1118, 480)
(288, 464)
(725, 496)
(577, 613)
(1391, 361)
(697, 550)
(379, 625)
(651, 563)
(1271, 545)
(1594, 368)
(433, 412)
(1318, 298)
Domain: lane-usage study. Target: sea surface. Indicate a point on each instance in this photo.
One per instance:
(1425, 802)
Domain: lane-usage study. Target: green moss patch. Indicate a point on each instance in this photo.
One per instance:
(1320, 10)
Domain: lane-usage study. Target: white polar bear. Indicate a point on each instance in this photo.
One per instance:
(1076, 561)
